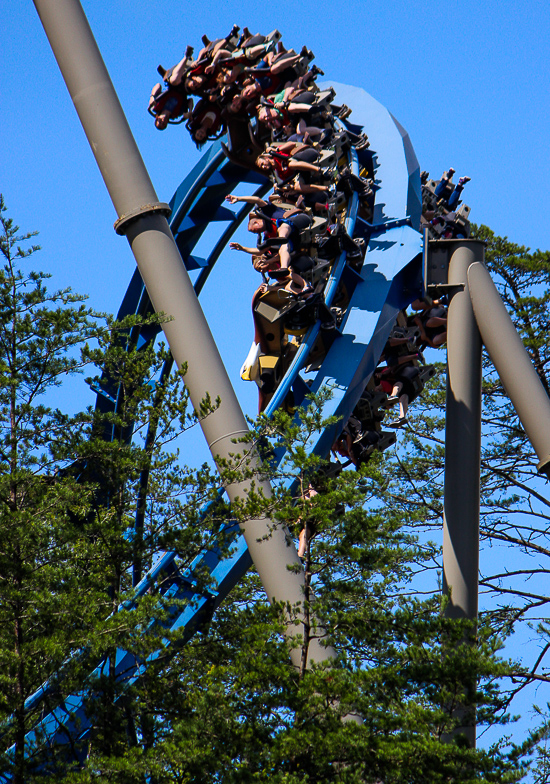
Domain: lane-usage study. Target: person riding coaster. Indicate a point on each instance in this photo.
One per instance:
(169, 107)
(283, 165)
(267, 78)
(229, 93)
(282, 228)
(172, 105)
(206, 122)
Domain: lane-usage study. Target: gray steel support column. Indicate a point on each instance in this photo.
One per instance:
(512, 362)
(141, 218)
(462, 448)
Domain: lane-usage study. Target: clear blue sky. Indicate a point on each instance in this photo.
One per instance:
(468, 80)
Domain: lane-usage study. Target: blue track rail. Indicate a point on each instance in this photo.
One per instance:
(388, 281)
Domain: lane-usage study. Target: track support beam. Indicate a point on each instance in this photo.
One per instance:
(512, 363)
(141, 218)
(462, 449)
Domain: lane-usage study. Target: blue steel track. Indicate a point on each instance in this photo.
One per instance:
(389, 280)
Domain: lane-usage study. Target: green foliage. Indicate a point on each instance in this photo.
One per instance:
(227, 706)
(67, 503)
(235, 710)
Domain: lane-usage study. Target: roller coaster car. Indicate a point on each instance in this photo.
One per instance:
(326, 471)
(241, 150)
(372, 440)
(278, 313)
(426, 372)
(432, 203)
(305, 313)
(410, 333)
(461, 219)
(387, 439)
(368, 409)
(269, 374)
(324, 97)
(280, 321)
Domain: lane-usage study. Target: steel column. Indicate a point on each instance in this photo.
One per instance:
(512, 363)
(462, 447)
(142, 219)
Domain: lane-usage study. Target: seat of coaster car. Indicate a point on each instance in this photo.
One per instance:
(305, 237)
(272, 307)
(319, 272)
(268, 312)
(244, 143)
(362, 453)
(324, 97)
(284, 205)
(431, 186)
(305, 313)
(461, 219)
(246, 155)
(340, 143)
(269, 372)
(405, 331)
(268, 43)
(338, 202)
(326, 471)
(302, 66)
(370, 406)
(318, 226)
(327, 159)
(274, 36)
(387, 439)
(426, 373)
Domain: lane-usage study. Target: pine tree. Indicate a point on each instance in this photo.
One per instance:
(68, 498)
(38, 582)
(228, 705)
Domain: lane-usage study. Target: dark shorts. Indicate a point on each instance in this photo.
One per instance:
(407, 376)
(301, 263)
(308, 155)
